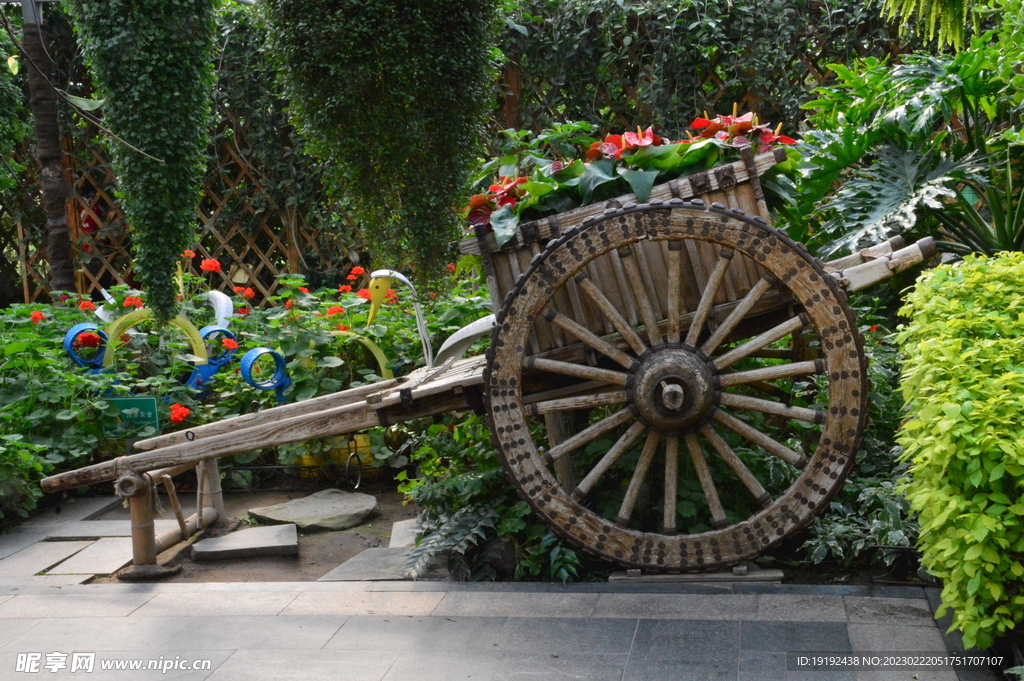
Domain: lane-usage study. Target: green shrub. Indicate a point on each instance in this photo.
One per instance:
(963, 384)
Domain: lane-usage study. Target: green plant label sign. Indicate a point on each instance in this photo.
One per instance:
(134, 414)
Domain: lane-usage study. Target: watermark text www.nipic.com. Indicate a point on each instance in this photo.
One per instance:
(36, 663)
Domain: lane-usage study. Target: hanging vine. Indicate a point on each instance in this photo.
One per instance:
(151, 60)
(392, 96)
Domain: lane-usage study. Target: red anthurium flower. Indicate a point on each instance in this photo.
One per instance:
(769, 137)
(509, 186)
(86, 305)
(363, 293)
(229, 343)
(645, 138)
(335, 309)
(480, 209)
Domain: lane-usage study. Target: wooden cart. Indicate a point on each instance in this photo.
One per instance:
(653, 371)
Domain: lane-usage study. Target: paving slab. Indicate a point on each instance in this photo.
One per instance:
(212, 658)
(17, 539)
(413, 634)
(761, 665)
(72, 509)
(403, 533)
(104, 557)
(795, 636)
(594, 666)
(667, 650)
(329, 509)
(678, 606)
(446, 665)
(911, 611)
(801, 608)
(94, 529)
(72, 605)
(101, 633)
(378, 564)
(277, 633)
(303, 665)
(564, 635)
(39, 557)
(213, 604)
(12, 629)
(517, 604)
(364, 603)
(881, 638)
(19, 584)
(275, 540)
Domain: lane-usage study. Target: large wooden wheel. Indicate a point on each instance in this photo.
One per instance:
(703, 432)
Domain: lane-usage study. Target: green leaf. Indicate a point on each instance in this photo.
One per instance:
(330, 362)
(640, 181)
(596, 174)
(504, 223)
(12, 64)
(85, 104)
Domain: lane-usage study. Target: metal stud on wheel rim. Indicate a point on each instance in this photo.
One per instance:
(680, 392)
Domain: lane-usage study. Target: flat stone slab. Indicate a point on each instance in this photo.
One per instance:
(105, 557)
(403, 533)
(372, 565)
(275, 540)
(330, 509)
(38, 557)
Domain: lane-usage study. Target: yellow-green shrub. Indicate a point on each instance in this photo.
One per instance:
(963, 385)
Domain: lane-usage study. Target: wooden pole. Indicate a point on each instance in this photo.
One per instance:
(212, 494)
(143, 534)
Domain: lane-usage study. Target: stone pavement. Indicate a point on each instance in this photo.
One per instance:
(422, 631)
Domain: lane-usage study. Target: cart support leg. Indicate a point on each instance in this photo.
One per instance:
(212, 494)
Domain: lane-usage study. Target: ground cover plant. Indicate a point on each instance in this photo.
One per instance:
(964, 389)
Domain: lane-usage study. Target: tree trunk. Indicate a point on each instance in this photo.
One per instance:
(55, 189)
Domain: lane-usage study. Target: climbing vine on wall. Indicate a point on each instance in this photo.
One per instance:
(151, 60)
(391, 95)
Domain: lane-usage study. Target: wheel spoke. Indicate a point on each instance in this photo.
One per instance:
(700, 464)
(555, 424)
(757, 437)
(737, 315)
(675, 264)
(609, 459)
(643, 301)
(581, 402)
(610, 313)
(769, 407)
(773, 372)
(577, 370)
(759, 342)
(707, 299)
(671, 475)
(587, 435)
(588, 337)
(642, 466)
(737, 466)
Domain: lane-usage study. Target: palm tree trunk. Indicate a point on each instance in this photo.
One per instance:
(55, 189)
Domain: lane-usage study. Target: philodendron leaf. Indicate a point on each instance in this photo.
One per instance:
(596, 174)
(504, 223)
(640, 181)
(86, 104)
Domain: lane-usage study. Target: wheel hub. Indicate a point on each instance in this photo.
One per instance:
(672, 388)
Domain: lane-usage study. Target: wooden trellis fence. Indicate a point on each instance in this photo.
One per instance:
(254, 239)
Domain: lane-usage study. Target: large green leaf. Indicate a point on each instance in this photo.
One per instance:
(596, 174)
(504, 223)
(640, 181)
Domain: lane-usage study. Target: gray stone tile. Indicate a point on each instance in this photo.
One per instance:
(403, 533)
(517, 604)
(801, 608)
(208, 660)
(11, 629)
(104, 557)
(678, 606)
(684, 649)
(269, 587)
(550, 667)
(274, 540)
(894, 675)
(759, 665)
(912, 611)
(794, 636)
(363, 603)
(102, 633)
(17, 539)
(269, 633)
(20, 584)
(446, 665)
(90, 529)
(411, 634)
(72, 510)
(73, 605)
(211, 604)
(872, 638)
(567, 635)
(303, 665)
(38, 557)
(385, 564)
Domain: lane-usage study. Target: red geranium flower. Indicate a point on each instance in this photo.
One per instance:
(229, 343)
(342, 327)
(188, 253)
(345, 289)
(86, 305)
(88, 340)
(133, 301)
(37, 317)
(288, 303)
(363, 293)
(242, 311)
(450, 267)
(239, 289)
(335, 309)
(304, 289)
(179, 413)
(358, 270)
(210, 265)
(390, 297)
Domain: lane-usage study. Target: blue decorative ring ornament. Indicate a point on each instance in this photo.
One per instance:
(94, 363)
(278, 382)
(221, 358)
